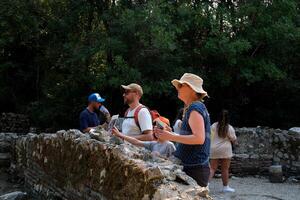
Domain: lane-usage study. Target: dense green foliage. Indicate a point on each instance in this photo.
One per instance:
(54, 53)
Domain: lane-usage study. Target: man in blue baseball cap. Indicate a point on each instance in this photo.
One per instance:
(88, 117)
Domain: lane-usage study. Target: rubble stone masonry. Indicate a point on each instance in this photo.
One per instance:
(258, 148)
(73, 165)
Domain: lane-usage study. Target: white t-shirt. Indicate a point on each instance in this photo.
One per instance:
(129, 127)
(177, 126)
(221, 148)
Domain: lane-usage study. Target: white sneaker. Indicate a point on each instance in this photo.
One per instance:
(228, 189)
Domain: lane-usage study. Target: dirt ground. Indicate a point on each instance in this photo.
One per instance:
(247, 188)
(251, 188)
(6, 186)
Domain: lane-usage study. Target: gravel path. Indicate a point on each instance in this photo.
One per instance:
(250, 188)
(247, 188)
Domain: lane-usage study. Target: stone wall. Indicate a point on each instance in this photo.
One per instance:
(258, 148)
(71, 165)
(14, 123)
(6, 148)
(286, 150)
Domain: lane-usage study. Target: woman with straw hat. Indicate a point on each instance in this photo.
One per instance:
(194, 138)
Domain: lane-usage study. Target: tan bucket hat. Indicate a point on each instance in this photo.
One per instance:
(133, 87)
(194, 81)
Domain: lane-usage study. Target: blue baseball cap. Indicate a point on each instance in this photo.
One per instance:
(96, 98)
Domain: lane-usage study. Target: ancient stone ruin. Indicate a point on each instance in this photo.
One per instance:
(259, 148)
(73, 165)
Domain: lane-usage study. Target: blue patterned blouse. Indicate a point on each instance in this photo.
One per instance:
(194, 155)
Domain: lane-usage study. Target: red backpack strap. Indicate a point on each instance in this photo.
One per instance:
(136, 115)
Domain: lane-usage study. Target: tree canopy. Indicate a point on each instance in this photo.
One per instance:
(53, 54)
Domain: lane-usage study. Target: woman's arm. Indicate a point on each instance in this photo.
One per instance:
(132, 140)
(232, 136)
(129, 139)
(196, 123)
(145, 136)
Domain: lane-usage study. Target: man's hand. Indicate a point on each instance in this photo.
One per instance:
(92, 130)
(88, 130)
(116, 132)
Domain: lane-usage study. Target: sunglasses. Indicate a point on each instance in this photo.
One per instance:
(126, 92)
(180, 85)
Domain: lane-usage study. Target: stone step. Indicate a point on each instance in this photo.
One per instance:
(4, 156)
(4, 160)
(4, 147)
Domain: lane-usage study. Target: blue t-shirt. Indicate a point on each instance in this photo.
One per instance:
(88, 119)
(194, 155)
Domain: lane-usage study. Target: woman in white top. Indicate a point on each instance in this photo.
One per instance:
(222, 135)
(178, 121)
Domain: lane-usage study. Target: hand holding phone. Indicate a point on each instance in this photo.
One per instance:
(160, 124)
(116, 132)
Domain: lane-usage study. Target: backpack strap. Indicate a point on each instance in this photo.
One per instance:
(136, 114)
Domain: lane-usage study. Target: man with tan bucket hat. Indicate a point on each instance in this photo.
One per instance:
(138, 120)
(194, 137)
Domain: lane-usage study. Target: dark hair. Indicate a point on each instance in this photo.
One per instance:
(223, 124)
(201, 96)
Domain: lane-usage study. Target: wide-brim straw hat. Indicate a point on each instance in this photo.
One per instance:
(194, 81)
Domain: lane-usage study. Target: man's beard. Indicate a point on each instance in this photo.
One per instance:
(127, 101)
(96, 108)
